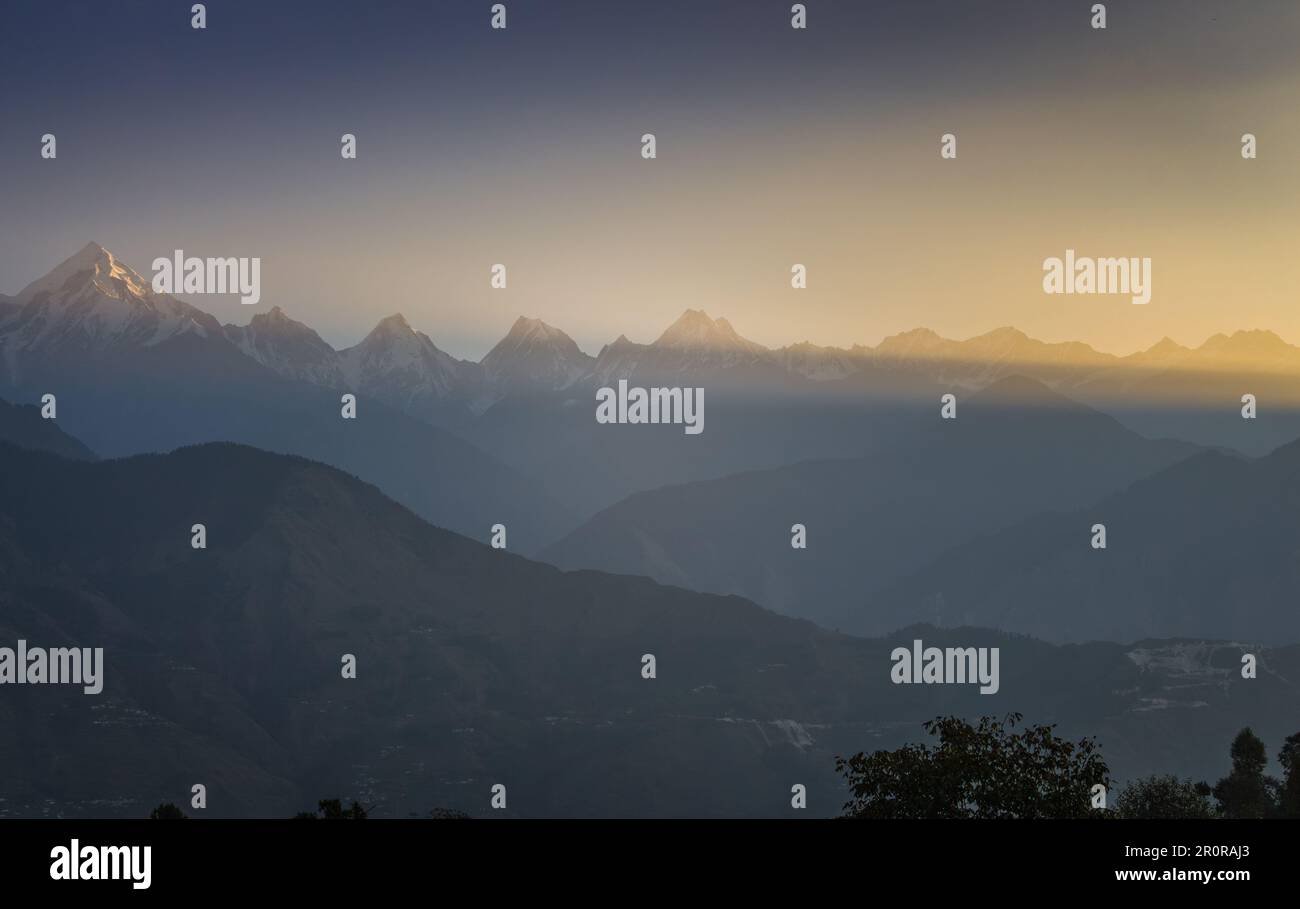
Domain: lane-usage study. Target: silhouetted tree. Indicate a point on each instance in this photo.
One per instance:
(1164, 796)
(1246, 791)
(332, 809)
(165, 812)
(983, 771)
(1289, 757)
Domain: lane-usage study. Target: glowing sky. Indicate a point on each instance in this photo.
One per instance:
(775, 147)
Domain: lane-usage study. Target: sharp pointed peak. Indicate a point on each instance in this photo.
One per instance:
(691, 321)
(106, 270)
(524, 326)
(695, 328)
(88, 256)
(694, 317)
(393, 328)
(1165, 345)
(395, 332)
(276, 317)
(621, 343)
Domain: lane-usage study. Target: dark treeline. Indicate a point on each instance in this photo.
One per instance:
(987, 770)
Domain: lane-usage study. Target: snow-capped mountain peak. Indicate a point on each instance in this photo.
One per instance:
(94, 303)
(288, 347)
(694, 345)
(526, 330)
(399, 364)
(535, 354)
(695, 331)
(95, 265)
(393, 343)
(393, 327)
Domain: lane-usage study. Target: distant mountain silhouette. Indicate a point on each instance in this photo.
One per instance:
(475, 666)
(1014, 449)
(1206, 547)
(25, 427)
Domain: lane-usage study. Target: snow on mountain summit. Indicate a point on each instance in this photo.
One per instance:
(288, 347)
(695, 344)
(393, 363)
(93, 264)
(93, 303)
(402, 366)
(534, 353)
(694, 330)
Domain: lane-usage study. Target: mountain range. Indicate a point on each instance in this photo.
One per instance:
(476, 666)
(1167, 389)
(95, 302)
(535, 357)
(1014, 449)
(522, 418)
(848, 442)
(135, 371)
(1205, 547)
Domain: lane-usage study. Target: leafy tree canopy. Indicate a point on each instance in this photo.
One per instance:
(1164, 797)
(977, 771)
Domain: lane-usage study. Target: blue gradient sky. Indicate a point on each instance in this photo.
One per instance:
(776, 147)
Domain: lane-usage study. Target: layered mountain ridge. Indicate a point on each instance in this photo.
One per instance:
(1014, 449)
(477, 667)
(145, 372)
(405, 368)
(132, 371)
